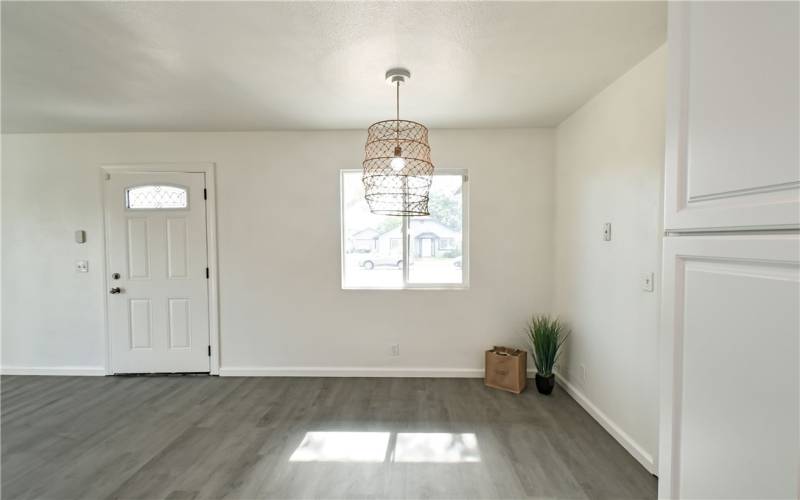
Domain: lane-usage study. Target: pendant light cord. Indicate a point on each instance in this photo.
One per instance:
(397, 122)
(397, 149)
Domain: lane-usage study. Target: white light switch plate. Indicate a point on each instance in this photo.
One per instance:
(647, 282)
(81, 266)
(607, 231)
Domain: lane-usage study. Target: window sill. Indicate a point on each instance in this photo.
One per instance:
(407, 288)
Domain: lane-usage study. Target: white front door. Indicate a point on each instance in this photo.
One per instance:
(158, 312)
(427, 247)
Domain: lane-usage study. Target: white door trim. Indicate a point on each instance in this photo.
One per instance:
(209, 169)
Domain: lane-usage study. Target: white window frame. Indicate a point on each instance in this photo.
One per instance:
(129, 208)
(464, 285)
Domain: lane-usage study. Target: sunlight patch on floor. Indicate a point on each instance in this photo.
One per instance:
(437, 447)
(376, 447)
(342, 447)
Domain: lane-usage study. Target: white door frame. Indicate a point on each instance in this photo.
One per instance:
(209, 169)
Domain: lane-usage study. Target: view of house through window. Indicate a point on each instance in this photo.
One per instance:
(373, 252)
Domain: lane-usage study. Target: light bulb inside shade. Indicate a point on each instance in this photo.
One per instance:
(397, 163)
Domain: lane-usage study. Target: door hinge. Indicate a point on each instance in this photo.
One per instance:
(207, 273)
(209, 351)
(205, 194)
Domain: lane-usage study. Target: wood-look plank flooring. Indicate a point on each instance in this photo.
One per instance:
(211, 437)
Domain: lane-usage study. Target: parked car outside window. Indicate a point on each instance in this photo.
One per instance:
(373, 260)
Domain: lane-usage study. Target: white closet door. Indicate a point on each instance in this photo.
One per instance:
(730, 367)
(732, 116)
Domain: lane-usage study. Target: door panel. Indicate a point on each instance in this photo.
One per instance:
(141, 324)
(730, 356)
(159, 320)
(138, 248)
(733, 126)
(179, 320)
(177, 257)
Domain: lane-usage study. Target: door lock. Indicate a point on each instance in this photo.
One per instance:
(115, 290)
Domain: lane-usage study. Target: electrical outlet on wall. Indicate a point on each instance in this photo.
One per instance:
(395, 349)
(82, 266)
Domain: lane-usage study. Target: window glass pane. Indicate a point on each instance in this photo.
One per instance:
(150, 197)
(373, 253)
(436, 241)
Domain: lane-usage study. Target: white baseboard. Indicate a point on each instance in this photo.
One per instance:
(272, 371)
(297, 371)
(612, 428)
(92, 371)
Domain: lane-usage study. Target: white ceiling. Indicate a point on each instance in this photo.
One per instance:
(127, 66)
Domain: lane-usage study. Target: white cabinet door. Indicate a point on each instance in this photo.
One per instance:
(732, 116)
(729, 362)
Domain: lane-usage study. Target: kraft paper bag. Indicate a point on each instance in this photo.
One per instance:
(506, 369)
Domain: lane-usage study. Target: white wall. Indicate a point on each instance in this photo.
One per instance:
(610, 156)
(280, 308)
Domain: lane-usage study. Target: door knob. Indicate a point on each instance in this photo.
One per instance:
(114, 290)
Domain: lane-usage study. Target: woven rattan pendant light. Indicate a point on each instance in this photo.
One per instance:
(397, 165)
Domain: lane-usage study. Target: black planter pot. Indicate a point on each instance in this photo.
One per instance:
(545, 384)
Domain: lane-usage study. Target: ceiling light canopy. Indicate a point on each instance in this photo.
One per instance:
(397, 164)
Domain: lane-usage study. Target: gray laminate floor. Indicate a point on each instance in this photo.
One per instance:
(209, 437)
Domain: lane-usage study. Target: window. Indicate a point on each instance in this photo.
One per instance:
(435, 253)
(446, 244)
(153, 197)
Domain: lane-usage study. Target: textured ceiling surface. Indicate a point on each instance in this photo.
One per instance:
(128, 66)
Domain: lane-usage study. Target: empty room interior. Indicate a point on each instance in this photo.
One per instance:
(379, 249)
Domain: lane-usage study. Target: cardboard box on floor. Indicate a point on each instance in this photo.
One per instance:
(506, 369)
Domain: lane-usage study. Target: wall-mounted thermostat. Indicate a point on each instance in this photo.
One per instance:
(80, 236)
